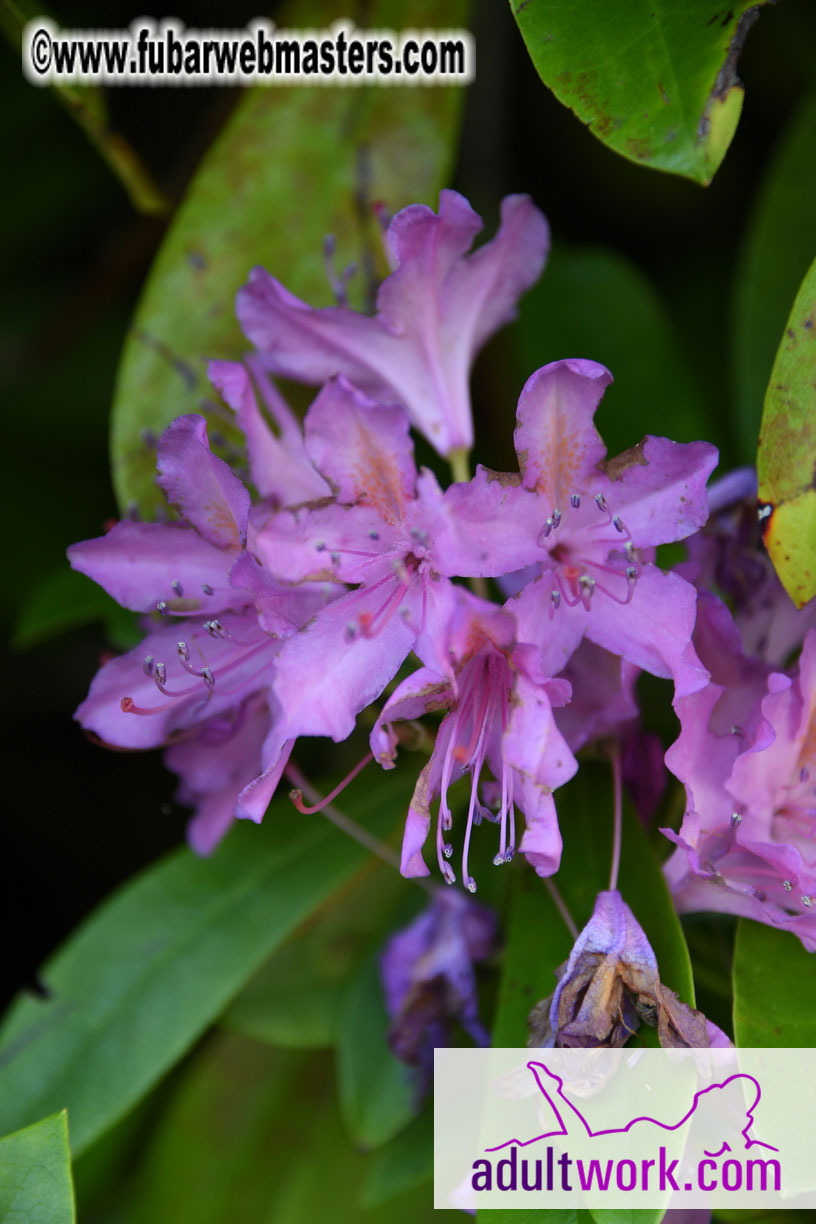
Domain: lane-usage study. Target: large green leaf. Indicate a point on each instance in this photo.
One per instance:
(786, 460)
(211, 1155)
(777, 250)
(250, 1134)
(595, 302)
(653, 79)
(378, 1094)
(35, 1174)
(774, 988)
(296, 998)
(156, 964)
(291, 166)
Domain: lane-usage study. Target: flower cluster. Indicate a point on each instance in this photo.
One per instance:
(747, 756)
(285, 611)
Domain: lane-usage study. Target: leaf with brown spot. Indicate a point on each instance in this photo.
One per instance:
(786, 457)
(654, 80)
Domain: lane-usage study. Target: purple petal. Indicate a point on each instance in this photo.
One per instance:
(255, 798)
(423, 692)
(362, 448)
(488, 526)
(330, 671)
(214, 767)
(436, 310)
(282, 608)
(556, 442)
(143, 564)
(654, 630)
(280, 468)
(241, 665)
(659, 488)
(200, 485)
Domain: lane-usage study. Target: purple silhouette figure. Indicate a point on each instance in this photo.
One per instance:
(713, 1105)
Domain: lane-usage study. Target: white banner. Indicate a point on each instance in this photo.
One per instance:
(636, 1128)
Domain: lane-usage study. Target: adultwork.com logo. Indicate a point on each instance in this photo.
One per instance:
(523, 1168)
(622, 1128)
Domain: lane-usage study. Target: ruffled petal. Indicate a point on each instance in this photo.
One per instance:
(363, 448)
(200, 485)
(435, 311)
(659, 488)
(556, 442)
(279, 467)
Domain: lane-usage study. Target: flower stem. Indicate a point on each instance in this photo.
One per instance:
(617, 786)
(561, 905)
(459, 461)
(348, 826)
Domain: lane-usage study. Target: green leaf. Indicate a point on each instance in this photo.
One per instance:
(65, 600)
(213, 1150)
(786, 459)
(291, 166)
(295, 1000)
(654, 80)
(774, 988)
(137, 984)
(536, 942)
(593, 300)
(378, 1094)
(403, 1164)
(777, 250)
(251, 1134)
(35, 1174)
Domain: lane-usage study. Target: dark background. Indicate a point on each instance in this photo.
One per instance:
(78, 819)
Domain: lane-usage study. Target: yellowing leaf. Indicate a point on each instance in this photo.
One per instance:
(786, 460)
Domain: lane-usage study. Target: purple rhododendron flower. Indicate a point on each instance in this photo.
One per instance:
(499, 712)
(428, 977)
(746, 842)
(591, 523)
(609, 984)
(433, 314)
